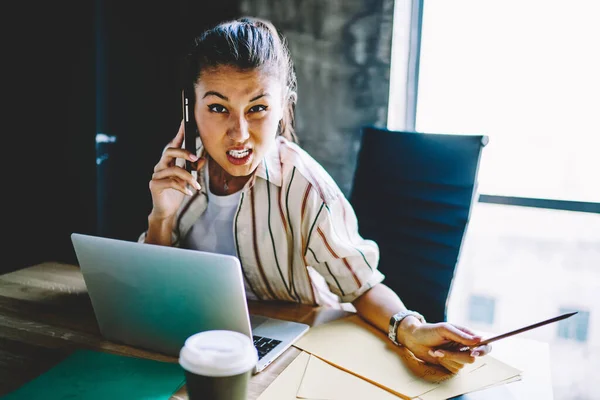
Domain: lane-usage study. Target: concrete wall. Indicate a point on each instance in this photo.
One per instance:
(342, 51)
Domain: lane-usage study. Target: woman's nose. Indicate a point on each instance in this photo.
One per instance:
(238, 129)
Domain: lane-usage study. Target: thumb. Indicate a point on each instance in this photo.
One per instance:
(200, 163)
(467, 330)
(418, 356)
(452, 333)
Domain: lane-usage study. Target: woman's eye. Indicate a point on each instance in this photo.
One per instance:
(217, 108)
(258, 108)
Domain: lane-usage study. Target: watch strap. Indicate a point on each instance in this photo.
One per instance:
(396, 320)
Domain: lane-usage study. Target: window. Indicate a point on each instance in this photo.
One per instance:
(575, 327)
(524, 74)
(481, 309)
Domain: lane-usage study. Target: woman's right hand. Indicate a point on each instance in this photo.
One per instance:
(169, 184)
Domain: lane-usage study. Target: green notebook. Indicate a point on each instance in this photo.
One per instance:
(90, 375)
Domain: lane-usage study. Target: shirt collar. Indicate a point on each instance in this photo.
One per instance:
(270, 167)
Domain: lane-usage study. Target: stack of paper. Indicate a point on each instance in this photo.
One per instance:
(349, 359)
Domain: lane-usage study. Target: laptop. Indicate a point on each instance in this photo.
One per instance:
(154, 297)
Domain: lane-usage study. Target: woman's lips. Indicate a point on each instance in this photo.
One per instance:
(239, 161)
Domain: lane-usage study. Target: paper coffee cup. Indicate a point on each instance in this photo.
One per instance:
(218, 365)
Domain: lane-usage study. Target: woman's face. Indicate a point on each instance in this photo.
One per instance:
(237, 113)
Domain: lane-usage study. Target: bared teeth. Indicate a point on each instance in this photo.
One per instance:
(238, 154)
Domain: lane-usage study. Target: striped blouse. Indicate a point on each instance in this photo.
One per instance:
(295, 233)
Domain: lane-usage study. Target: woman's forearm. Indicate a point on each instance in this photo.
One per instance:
(378, 305)
(159, 230)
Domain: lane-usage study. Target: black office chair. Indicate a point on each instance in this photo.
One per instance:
(412, 194)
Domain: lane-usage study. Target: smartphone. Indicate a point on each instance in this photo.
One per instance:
(189, 125)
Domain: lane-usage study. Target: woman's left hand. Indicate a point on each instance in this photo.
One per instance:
(427, 341)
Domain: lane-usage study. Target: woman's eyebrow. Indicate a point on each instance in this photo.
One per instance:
(213, 93)
(259, 96)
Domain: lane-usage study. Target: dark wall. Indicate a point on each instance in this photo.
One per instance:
(55, 52)
(48, 126)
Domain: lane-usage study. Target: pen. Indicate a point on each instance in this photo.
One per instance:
(452, 346)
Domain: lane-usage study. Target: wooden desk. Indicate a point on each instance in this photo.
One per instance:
(46, 314)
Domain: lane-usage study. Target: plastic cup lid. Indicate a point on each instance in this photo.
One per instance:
(218, 353)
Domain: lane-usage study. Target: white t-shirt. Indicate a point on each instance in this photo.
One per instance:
(213, 231)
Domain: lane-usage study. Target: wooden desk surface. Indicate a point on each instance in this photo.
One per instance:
(46, 314)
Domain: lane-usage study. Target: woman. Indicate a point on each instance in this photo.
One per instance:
(260, 197)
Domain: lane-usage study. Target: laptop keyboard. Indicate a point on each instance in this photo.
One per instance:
(264, 345)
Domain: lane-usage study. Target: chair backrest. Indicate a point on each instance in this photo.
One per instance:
(412, 194)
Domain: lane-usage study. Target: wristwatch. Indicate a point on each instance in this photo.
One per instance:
(397, 319)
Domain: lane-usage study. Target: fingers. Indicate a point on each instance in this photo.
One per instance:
(454, 334)
(175, 143)
(451, 366)
(442, 358)
(452, 361)
(178, 139)
(481, 350)
(428, 356)
(159, 185)
(461, 357)
(197, 166)
(176, 172)
(170, 154)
